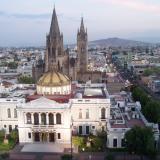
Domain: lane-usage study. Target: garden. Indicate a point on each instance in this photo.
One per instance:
(90, 143)
(7, 142)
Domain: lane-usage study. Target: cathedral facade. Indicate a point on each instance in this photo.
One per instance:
(58, 59)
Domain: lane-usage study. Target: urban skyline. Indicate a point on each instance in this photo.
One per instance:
(24, 23)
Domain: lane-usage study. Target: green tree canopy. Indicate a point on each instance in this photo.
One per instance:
(152, 111)
(26, 80)
(140, 141)
(139, 95)
(2, 134)
(13, 65)
(151, 71)
(78, 141)
(14, 135)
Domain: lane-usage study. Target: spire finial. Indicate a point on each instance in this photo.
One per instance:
(82, 25)
(54, 29)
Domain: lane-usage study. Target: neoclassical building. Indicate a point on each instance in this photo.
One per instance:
(44, 120)
(60, 108)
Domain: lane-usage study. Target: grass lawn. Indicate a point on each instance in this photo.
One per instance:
(6, 147)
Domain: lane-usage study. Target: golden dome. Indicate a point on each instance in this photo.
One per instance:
(52, 79)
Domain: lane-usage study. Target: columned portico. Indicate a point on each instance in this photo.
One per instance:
(44, 118)
(45, 137)
(44, 121)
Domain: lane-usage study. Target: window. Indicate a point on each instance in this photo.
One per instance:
(51, 120)
(29, 135)
(43, 119)
(16, 127)
(15, 113)
(10, 128)
(58, 118)
(36, 118)
(115, 142)
(103, 113)
(28, 116)
(87, 114)
(80, 114)
(59, 136)
(80, 130)
(5, 126)
(9, 112)
(87, 129)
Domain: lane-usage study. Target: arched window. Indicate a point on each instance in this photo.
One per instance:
(51, 120)
(43, 119)
(103, 113)
(80, 114)
(15, 113)
(54, 53)
(9, 112)
(58, 118)
(87, 114)
(28, 116)
(36, 118)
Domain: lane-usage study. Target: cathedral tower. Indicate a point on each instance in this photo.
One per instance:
(54, 46)
(82, 48)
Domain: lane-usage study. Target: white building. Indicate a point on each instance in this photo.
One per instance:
(82, 110)
(8, 113)
(45, 120)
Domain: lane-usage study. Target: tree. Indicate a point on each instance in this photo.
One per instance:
(14, 135)
(97, 142)
(26, 80)
(139, 95)
(12, 65)
(140, 141)
(2, 134)
(152, 111)
(78, 141)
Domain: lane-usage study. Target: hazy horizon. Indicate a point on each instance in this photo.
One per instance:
(26, 23)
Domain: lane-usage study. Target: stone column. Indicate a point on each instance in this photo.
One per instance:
(47, 118)
(32, 118)
(47, 136)
(25, 118)
(54, 118)
(33, 136)
(39, 118)
(40, 135)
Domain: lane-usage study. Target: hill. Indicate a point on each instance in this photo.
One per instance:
(116, 42)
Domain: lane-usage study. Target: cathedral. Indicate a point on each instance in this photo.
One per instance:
(59, 59)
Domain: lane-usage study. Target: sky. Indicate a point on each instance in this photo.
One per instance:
(27, 22)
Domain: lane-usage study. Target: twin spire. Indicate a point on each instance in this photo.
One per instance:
(54, 29)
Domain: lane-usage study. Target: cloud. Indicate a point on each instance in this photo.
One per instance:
(134, 4)
(36, 16)
(25, 16)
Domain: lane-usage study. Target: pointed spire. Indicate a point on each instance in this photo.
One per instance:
(54, 29)
(82, 29)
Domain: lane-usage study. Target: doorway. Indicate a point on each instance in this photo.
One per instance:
(51, 137)
(36, 137)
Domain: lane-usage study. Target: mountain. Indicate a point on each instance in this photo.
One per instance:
(116, 42)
